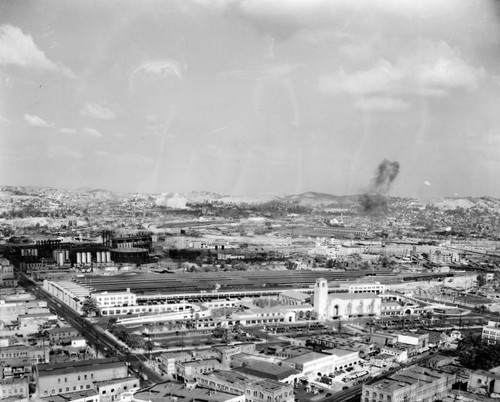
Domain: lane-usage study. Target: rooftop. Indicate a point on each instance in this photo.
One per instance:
(231, 377)
(170, 392)
(353, 296)
(61, 330)
(116, 381)
(76, 366)
(86, 393)
(306, 358)
(267, 370)
(295, 294)
(340, 352)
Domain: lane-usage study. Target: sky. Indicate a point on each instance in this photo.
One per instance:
(251, 97)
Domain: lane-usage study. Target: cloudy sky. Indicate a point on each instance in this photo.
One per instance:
(251, 97)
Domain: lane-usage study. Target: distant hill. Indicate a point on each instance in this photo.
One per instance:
(313, 199)
(467, 202)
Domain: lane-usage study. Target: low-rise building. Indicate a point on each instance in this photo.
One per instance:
(359, 287)
(316, 364)
(62, 378)
(240, 384)
(87, 395)
(293, 298)
(169, 392)
(400, 354)
(17, 367)
(17, 388)
(37, 354)
(225, 353)
(483, 382)
(62, 333)
(259, 369)
(491, 332)
(413, 384)
(111, 390)
(188, 370)
(115, 299)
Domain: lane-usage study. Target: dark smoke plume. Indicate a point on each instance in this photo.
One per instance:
(373, 200)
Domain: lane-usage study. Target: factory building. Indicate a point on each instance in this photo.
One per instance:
(70, 293)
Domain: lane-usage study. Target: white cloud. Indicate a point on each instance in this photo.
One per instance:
(427, 69)
(19, 49)
(5, 122)
(383, 76)
(150, 72)
(161, 68)
(61, 151)
(382, 104)
(91, 131)
(67, 130)
(97, 111)
(36, 122)
(449, 73)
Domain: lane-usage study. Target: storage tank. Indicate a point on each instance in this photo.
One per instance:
(79, 258)
(108, 256)
(89, 257)
(66, 255)
(98, 257)
(84, 258)
(103, 256)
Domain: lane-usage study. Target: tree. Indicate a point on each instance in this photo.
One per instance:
(89, 306)
(475, 354)
(149, 346)
(481, 280)
(112, 323)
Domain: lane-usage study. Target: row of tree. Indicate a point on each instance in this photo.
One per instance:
(474, 353)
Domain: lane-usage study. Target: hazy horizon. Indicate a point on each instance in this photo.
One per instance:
(251, 97)
(250, 196)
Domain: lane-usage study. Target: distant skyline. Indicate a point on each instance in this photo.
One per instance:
(251, 97)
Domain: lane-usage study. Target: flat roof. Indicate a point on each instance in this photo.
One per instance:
(48, 369)
(295, 294)
(85, 393)
(170, 392)
(340, 352)
(308, 357)
(267, 370)
(61, 330)
(351, 296)
(130, 250)
(232, 377)
(116, 381)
